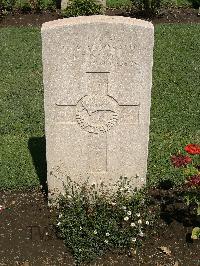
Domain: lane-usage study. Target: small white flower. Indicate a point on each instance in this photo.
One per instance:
(141, 234)
(107, 234)
(113, 203)
(95, 232)
(81, 228)
(147, 222)
(133, 224)
(138, 214)
(106, 241)
(69, 197)
(60, 215)
(126, 218)
(129, 213)
(140, 221)
(59, 223)
(133, 239)
(124, 208)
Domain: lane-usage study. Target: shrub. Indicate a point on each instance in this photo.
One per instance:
(27, 5)
(195, 3)
(82, 8)
(91, 222)
(46, 4)
(148, 7)
(22, 5)
(7, 4)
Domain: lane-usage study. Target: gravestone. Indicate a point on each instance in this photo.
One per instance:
(97, 74)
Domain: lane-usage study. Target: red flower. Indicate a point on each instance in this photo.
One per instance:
(180, 160)
(192, 149)
(194, 181)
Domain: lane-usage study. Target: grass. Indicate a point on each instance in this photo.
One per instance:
(175, 112)
(21, 104)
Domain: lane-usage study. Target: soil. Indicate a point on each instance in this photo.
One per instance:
(170, 15)
(28, 237)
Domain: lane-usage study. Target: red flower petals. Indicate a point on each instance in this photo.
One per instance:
(194, 181)
(192, 149)
(180, 160)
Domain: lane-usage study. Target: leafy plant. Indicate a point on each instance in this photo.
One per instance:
(46, 4)
(195, 233)
(22, 5)
(7, 5)
(148, 7)
(92, 222)
(26, 5)
(191, 168)
(82, 8)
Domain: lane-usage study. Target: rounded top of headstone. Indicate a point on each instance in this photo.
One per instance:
(97, 19)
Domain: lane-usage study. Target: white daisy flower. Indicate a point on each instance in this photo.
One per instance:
(133, 239)
(140, 221)
(107, 234)
(106, 241)
(133, 224)
(129, 213)
(147, 223)
(95, 232)
(60, 215)
(59, 223)
(124, 208)
(141, 234)
(138, 214)
(126, 218)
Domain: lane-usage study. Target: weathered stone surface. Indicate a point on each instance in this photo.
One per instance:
(97, 82)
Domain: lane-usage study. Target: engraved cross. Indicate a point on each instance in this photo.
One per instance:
(97, 113)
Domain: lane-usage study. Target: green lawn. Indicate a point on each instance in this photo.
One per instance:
(175, 112)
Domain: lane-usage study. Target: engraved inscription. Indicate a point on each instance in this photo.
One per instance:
(97, 114)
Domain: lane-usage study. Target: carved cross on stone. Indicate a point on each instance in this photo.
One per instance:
(97, 113)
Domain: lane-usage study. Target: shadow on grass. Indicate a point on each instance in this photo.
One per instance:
(37, 148)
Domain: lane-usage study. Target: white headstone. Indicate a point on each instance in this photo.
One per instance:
(97, 83)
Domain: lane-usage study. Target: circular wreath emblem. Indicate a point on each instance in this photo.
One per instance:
(97, 114)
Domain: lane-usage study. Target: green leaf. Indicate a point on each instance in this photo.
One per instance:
(195, 233)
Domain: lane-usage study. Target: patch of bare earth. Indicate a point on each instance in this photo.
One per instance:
(28, 236)
(171, 15)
